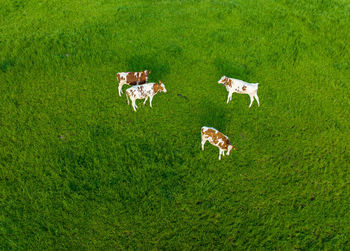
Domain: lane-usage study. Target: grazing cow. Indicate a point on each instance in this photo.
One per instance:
(218, 139)
(143, 92)
(241, 87)
(132, 78)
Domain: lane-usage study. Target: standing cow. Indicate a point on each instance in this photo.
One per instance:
(144, 92)
(132, 78)
(241, 87)
(218, 139)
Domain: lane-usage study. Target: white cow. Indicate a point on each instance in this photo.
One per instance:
(241, 87)
(143, 92)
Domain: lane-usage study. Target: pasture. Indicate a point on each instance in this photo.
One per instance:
(80, 170)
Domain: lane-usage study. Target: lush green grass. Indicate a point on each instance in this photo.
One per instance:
(81, 170)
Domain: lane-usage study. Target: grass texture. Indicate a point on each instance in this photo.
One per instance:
(79, 170)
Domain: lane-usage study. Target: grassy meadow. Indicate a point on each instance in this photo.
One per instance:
(80, 170)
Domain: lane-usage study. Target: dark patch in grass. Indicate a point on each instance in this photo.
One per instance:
(84, 160)
(122, 8)
(18, 4)
(77, 168)
(181, 96)
(62, 56)
(173, 50)
(171, 183)
(72, 160)
(222, 36)
(101, 131)
(6, 64)
(218, 36)
(73, 186)
(89, 185)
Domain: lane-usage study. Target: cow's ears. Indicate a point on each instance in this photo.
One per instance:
(160, 82)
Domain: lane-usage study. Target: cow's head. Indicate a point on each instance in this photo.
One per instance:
(229, 149)
(223, 80)
(161, 86)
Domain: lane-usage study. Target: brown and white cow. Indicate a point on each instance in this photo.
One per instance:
(132, 78)
(143, 92)
(235, 85)
(218, 139)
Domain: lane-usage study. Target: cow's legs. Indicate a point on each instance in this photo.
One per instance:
(145, 100)
(203, 142)
(127, 98)
(229, 97)
(251, 99)
(257, 98)
(120, 90)
(150, 101)
(220, 154)
(134, 106)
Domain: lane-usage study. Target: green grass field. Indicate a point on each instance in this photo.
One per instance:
(79, 170)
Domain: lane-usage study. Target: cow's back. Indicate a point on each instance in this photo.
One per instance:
(215, 137)
(132, 78)
(140, 91)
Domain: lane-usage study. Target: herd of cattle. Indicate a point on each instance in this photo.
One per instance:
(141, 89)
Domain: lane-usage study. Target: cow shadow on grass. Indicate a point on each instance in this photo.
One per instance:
(231, 69)
(143, 62)
(213, 115)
